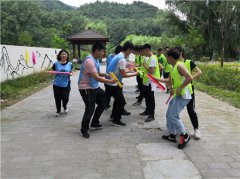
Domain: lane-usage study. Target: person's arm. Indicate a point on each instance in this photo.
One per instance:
(164, 80)
(188, 78)
(152, 66)
(160, 66)
(53, 67)
(196, 72)
(97, 77)
(127, 75)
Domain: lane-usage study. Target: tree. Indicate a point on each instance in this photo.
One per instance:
(194, 40)
(100, 27)
(25, 39)
(217, 19)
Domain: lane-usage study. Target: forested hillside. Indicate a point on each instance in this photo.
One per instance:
(203, 28)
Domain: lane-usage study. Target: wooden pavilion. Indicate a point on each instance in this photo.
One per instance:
(86, 37)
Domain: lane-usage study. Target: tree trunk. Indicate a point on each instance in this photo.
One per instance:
(222, 51)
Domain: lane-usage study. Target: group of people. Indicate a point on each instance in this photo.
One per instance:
(167, 66)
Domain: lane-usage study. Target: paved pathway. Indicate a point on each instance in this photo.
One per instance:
(37, 145)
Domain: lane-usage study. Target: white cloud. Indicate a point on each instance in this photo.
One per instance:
(158, 3)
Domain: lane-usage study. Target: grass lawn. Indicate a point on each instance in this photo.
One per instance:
(17, 89)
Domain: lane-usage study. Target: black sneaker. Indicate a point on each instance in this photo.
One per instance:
(57, 114)
(137, 103)
(137, 91)
(85, 134)
(184, 139)
(96, 127)
(149, 119)
(145, 113)
(118, 123)
(171, 138)
(126, 113)
(107, 107)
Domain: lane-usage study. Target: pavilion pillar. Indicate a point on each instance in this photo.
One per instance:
(74, 53)
(79, 53)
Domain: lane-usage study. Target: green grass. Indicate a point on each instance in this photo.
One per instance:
(232, 97)
(15, 90)
(222, 83)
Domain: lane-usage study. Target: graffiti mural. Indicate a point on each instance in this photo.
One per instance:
(17, 61)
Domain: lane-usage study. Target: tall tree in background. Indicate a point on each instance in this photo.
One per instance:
(218, 20)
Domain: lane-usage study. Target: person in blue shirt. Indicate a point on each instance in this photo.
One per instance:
(118, 49)
(93, 96)
(61, 82)
(118, 67)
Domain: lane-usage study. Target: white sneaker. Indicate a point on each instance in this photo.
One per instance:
(57, 114)
(197, 134)
(66, 110)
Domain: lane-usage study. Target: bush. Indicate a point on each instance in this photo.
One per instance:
(12, 89)
(204, 59)
(227, 78)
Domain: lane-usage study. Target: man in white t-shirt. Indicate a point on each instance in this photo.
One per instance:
(151, 66)
(118, 67)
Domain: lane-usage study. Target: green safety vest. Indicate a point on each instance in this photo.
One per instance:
(141, 68)
(137, 59)
(187, 64)
(165, 64)
(178, 79)
(156, 73)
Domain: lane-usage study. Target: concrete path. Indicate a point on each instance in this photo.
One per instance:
(37, 145)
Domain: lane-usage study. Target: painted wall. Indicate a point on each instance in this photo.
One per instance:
(17, 61)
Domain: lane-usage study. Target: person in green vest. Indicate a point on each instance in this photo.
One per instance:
(150, 66)
(166, 66)
(139, 65)
(180, 80)
(195, 71)
(160, 57)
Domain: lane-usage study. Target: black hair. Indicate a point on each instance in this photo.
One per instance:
(59, 54)
(147, 46)
(166, 48)
(98, 46)
(175, 53)
(160, 49)
(128, 45)
(140, 47)
(181, 50)
(118, 49)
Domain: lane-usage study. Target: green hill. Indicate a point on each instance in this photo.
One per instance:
(54, 5)
(101, 10)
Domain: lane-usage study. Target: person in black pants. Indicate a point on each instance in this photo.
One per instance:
(139, 77)
(62, 83)
(90, 91)
(118, 67)
(195, 72)
(118, 49)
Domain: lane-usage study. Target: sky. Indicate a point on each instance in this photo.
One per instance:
(158, 3)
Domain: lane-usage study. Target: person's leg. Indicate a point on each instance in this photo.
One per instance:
(140, 98)
(178, 104)
(145, 95)
(89, 98)
(65, 96)
(119, 103)
(108, 95)
(150, 104)
(57, 96)
(166, 75)
(191, 111)
(170, 126)
(101, 103)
